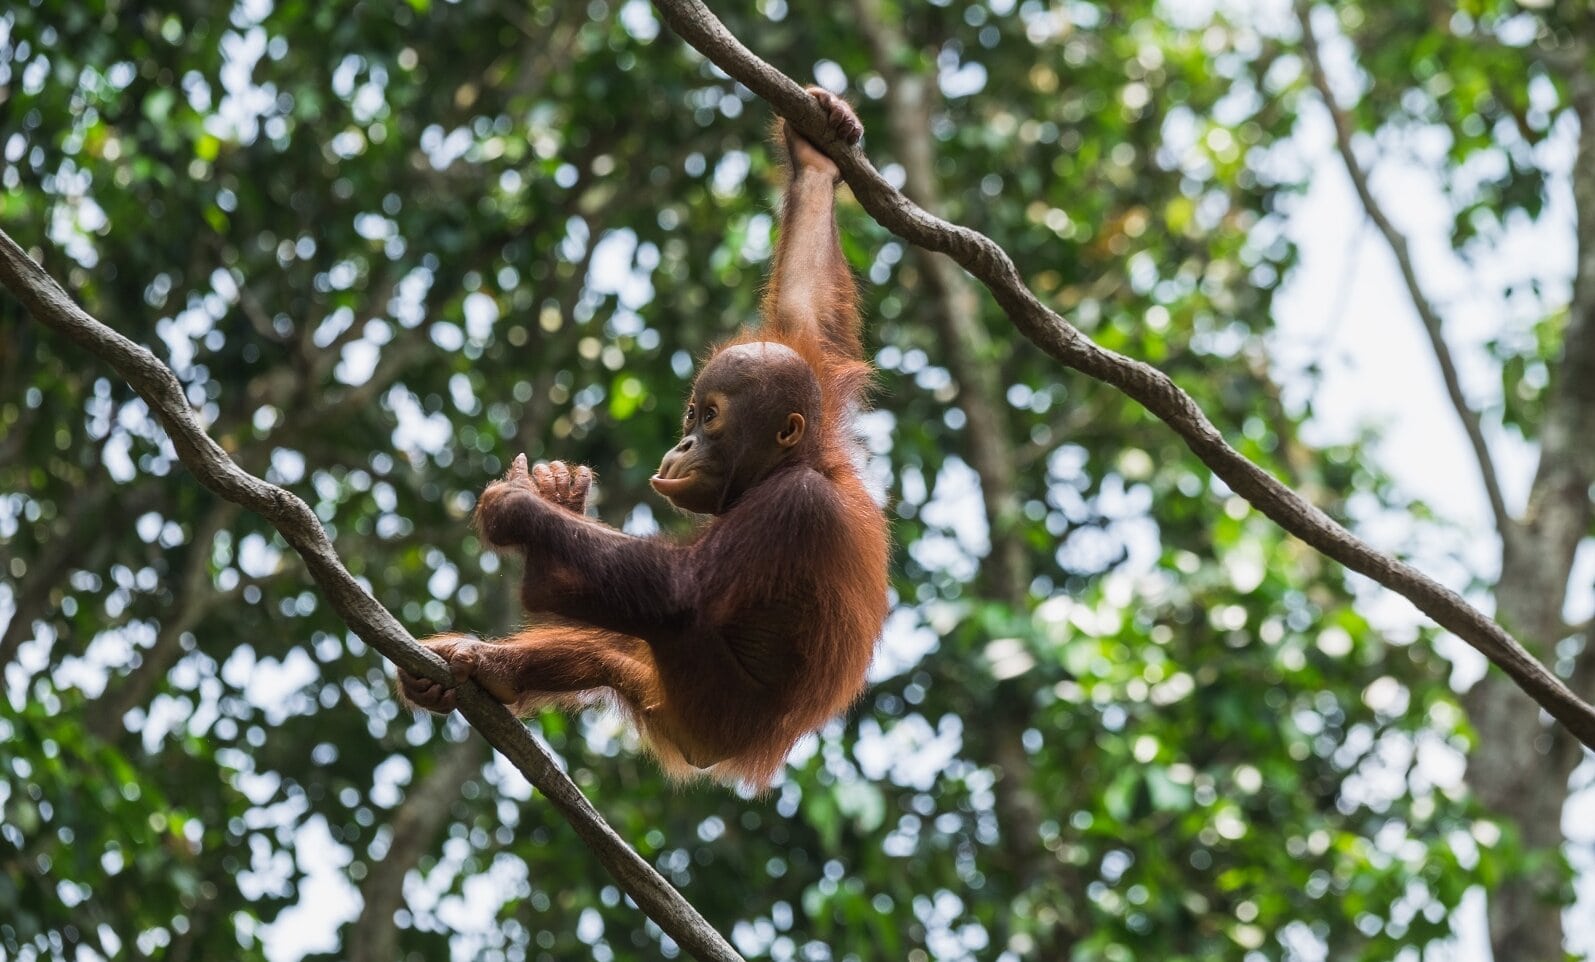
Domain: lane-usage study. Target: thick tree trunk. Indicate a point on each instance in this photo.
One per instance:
(1521, 767)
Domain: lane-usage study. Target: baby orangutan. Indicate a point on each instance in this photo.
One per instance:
(728, 648)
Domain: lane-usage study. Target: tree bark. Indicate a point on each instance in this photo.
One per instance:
(1520, 768)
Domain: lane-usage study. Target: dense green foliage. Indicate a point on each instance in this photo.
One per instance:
(388, 247)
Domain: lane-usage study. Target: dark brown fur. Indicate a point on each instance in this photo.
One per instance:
(727, 649)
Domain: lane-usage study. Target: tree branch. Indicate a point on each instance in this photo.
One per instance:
(1399, 247)
(1153, 389)
(374, 624)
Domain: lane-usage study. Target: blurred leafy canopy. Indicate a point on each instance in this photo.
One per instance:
(389, 247)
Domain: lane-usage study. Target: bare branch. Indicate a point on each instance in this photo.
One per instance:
(1153, 389)
(1432, 325)
(375, 625)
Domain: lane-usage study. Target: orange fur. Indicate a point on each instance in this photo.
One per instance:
(725, 650)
